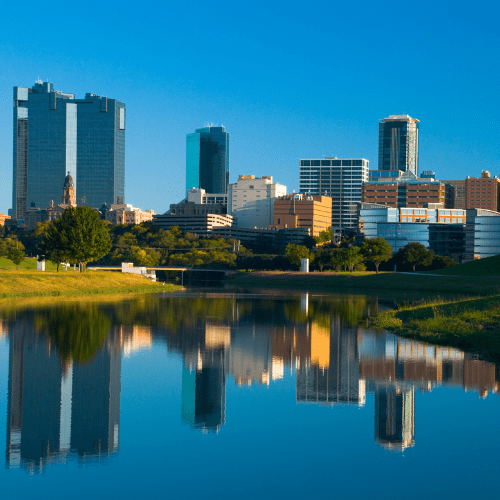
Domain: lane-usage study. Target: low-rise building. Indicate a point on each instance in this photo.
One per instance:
(198, 202)
(482, 234)
(438, 229)
(301, 210)
(408, 192)
(127, 214)
(2, 219)
(201, 224)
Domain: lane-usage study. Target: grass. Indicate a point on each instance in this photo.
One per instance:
(26, 283)
(395, 286)
(29, 264)
(471, 325)
(482, 267)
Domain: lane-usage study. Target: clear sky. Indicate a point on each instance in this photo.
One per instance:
(288, 80)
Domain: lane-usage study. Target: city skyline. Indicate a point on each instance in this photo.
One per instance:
(257, 85)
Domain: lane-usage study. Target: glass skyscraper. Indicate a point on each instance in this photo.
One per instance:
(54, 134)
(398, 144)
(207, 160)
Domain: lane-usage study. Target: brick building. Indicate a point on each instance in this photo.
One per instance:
(483, 192)
(299, 210)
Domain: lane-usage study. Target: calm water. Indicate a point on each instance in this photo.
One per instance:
(224, 396)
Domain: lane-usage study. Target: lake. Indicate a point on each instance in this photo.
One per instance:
(220, 395)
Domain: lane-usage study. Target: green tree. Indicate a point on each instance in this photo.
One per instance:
(78, 236)
(325, 236)
(376, 250)
(16, 255)
(294, 253)
(351, 256)
(415, 254)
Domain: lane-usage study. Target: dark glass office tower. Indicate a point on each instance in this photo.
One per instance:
(54, 134)
(398, 144)
(207, 160)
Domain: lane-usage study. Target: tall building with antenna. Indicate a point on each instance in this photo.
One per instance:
(207, 159)
(54, 134)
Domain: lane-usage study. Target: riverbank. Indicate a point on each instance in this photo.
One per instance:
(401, 287)
(472, 325)
(27, 283)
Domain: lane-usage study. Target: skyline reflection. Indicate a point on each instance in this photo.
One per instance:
(63, 403)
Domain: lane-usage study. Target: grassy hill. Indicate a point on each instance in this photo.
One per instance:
(35, 283)
(482, 267)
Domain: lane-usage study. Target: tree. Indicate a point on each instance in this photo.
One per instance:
(16, 255)
(416, 254)
(376, 250)
(294, 253)
(351, 256)
(325, 236)
(78, 236)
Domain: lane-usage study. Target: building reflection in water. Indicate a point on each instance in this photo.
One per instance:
(57, 408)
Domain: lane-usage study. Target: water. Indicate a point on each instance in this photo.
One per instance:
(237, 396)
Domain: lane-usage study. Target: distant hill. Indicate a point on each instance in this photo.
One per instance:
(482, 267)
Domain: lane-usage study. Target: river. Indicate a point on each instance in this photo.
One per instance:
(221, 395)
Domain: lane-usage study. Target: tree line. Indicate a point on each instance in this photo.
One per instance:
(80, 237)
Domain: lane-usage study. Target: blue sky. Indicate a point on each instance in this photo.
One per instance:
(288, 80)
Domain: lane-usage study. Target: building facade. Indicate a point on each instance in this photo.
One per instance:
(341, 180)
(460, 193)
(441, 230)
(482, 238)
(251, 200)
(54, 133)
(483, 192)
(299, 210)
(127, 214)
(408, 193)
(207, 159)
(398, 144)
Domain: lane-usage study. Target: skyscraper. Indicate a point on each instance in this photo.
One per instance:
(398, 144)
(341, 179)
(54, 134)
(207, 160)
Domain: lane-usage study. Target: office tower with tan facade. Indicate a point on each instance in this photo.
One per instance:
(340, 179)
(299, 210)
(483, 192)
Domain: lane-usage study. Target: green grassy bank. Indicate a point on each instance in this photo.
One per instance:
(26, 283)
(395, 286)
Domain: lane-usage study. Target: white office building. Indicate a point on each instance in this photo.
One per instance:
(251, 200)
(341, 179)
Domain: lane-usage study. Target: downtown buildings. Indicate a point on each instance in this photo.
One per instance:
(56, 134)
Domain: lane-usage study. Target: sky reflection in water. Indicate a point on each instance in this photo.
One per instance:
(238, 396)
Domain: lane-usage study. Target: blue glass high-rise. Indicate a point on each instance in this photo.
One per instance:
(398, 144)
(54, 134)
(207, 160)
